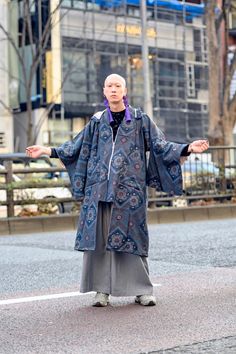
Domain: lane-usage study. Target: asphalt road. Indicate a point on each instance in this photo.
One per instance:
(192, 264)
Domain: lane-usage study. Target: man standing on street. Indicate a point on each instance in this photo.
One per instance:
(109, 171)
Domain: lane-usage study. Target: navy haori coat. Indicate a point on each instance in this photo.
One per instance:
(101, 169)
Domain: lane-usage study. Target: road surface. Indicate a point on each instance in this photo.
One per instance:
(193, 267)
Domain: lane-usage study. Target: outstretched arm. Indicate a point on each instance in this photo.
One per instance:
(38, 150)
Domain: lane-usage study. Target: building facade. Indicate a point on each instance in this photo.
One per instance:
(89, 39)
(101, 37)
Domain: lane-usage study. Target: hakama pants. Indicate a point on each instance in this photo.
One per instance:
(111, 272)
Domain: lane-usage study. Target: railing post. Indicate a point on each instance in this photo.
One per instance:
(9, 192)
(151, 194)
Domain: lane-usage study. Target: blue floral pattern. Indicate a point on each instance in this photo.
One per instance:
(91, 215)
(121, 176)
(116, 239)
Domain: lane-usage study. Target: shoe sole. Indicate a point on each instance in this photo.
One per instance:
(150, 303)
(99, 304)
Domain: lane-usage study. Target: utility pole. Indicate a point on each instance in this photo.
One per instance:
(146, 77)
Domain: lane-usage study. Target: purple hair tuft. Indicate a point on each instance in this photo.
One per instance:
(127, 112)
(109, 111)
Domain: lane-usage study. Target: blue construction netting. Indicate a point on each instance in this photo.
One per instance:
(193, 9)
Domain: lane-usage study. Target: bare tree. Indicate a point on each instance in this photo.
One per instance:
(38, 45)
(222, 107)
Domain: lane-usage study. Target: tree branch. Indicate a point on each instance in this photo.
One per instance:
(46, 32)
(5, 106)
(12, 76)
(43, 42)
(11, 40)
(29, 26)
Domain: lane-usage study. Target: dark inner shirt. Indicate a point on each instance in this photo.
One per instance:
(118, 117)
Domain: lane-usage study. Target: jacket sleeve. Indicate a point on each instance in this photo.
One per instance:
(163, 171)
(74, 155)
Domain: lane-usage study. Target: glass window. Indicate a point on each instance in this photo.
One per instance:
(79, 4)
(67, 3)
(59, 131)
(133, 11)
(79, 71)
(32, 6)
(197, 2)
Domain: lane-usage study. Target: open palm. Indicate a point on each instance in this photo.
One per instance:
(199, 146)
(35, 151)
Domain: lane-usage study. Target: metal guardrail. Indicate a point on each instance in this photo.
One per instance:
(207, 176)
(13, 184)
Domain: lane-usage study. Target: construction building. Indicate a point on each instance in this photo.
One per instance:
(90, 39)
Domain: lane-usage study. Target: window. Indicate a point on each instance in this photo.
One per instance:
(196, 2)
(80, 72)
(190, 81)
(31, 7)
(133, 11)
(2, 140)
(67, 3)
(232, 20)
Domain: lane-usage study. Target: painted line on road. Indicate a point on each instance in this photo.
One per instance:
(41, 297)
(46, 297)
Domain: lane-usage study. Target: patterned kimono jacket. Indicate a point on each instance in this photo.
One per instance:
(101, 169)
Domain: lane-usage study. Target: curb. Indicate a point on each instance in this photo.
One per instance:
(16, 225)
(197, 213)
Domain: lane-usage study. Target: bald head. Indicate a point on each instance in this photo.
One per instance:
(115, 78)
(114, 90)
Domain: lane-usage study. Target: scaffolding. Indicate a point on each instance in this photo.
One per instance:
(104, 36)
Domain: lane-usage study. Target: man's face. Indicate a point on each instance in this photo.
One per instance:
(114, 88)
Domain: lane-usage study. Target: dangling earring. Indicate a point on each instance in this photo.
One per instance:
(106, 103)
(127, 112)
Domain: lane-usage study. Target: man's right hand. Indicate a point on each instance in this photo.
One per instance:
(37, 150)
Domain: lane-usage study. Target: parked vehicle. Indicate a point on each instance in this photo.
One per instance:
(202, 179)
(199, 176)
(36, 193)
(21, 160)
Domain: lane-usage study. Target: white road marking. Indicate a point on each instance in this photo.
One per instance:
(46, 297)
(41, 297)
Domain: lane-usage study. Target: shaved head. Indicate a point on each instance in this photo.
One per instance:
(115, 78)
(115, 90)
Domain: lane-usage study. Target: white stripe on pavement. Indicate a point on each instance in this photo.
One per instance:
(41, 297)
(46, 297)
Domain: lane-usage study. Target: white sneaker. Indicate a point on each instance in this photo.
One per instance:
(101, 300)
(146, 300)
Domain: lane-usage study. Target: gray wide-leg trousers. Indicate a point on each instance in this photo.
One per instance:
(118, 274)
